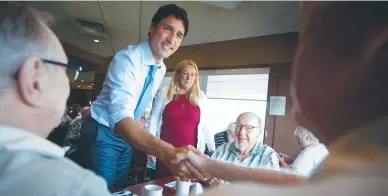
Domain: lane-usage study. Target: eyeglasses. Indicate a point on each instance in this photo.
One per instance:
(72, 71)
(248, 128)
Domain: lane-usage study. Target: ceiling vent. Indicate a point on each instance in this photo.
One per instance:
(93, 29)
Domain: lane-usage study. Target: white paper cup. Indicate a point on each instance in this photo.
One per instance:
(182, 187)
(153, 190)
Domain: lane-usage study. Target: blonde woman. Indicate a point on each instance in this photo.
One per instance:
(177, 115)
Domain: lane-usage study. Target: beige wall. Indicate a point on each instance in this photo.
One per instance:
(265, 50)
(242, 53)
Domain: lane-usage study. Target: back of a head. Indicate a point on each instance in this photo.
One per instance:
(38, 90)
(77, 108)
(341, 65)
(303, 134)
(22, 34)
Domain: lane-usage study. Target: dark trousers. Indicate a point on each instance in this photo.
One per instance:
(105, 153)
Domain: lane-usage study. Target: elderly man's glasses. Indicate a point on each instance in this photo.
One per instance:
(248, 128)
(72, 71)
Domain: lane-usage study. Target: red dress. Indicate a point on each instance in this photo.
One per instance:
(179, 128)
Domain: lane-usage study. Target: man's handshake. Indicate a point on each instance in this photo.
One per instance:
(187, 163)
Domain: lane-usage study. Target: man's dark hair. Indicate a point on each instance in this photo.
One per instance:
(171, 9)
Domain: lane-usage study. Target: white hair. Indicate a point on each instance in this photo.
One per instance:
(303, 134)
(231, 131)
(23, 33)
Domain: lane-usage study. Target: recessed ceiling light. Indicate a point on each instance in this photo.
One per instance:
(79, 86)
(90, 86)
(96, 40)
(82, 80)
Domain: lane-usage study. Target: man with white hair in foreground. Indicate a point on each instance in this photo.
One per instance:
(34, 88)
(340, 92)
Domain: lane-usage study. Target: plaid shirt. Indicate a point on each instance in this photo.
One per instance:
(261, 156)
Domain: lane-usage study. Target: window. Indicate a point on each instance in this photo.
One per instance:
(231, 95)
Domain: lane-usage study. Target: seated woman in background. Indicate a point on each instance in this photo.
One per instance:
(75, 114)
(66, 118)
(177, 115)
(74, 133)
(312, 155)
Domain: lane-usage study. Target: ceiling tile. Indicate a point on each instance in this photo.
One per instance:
(121, 37)
(287, 23)
(292, 18)
(126, 19)
(89, 2)
(65, 32)
(102, 48)
(82, 11)
(122, 5)
(249, 18)
(201, 25)
(208, 23)
(52, 7)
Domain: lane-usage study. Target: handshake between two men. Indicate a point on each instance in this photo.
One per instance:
(244, 159)
(187, 163)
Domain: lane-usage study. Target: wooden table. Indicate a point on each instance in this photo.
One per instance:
(138, 189)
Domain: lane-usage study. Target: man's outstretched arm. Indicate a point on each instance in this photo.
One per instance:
(232, 172)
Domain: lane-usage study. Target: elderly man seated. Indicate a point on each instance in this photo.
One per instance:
(246, 150)
(312, 155)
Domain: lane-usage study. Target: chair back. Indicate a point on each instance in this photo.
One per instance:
(138, 168)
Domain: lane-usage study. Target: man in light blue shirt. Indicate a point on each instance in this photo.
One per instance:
(131, 82)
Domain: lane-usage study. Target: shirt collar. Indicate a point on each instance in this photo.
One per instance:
(16, 139)
(148, 56)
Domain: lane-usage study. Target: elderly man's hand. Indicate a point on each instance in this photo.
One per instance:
(284, 157)
(214, 182)
(182, 168)
(196, 159)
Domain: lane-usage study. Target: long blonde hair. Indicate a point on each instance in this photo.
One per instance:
(174, 88)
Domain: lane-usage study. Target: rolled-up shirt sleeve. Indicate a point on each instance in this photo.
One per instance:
(122, 84)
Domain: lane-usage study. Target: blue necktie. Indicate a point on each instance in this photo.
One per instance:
(145, 98)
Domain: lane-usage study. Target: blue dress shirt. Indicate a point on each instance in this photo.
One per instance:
(125, 84)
